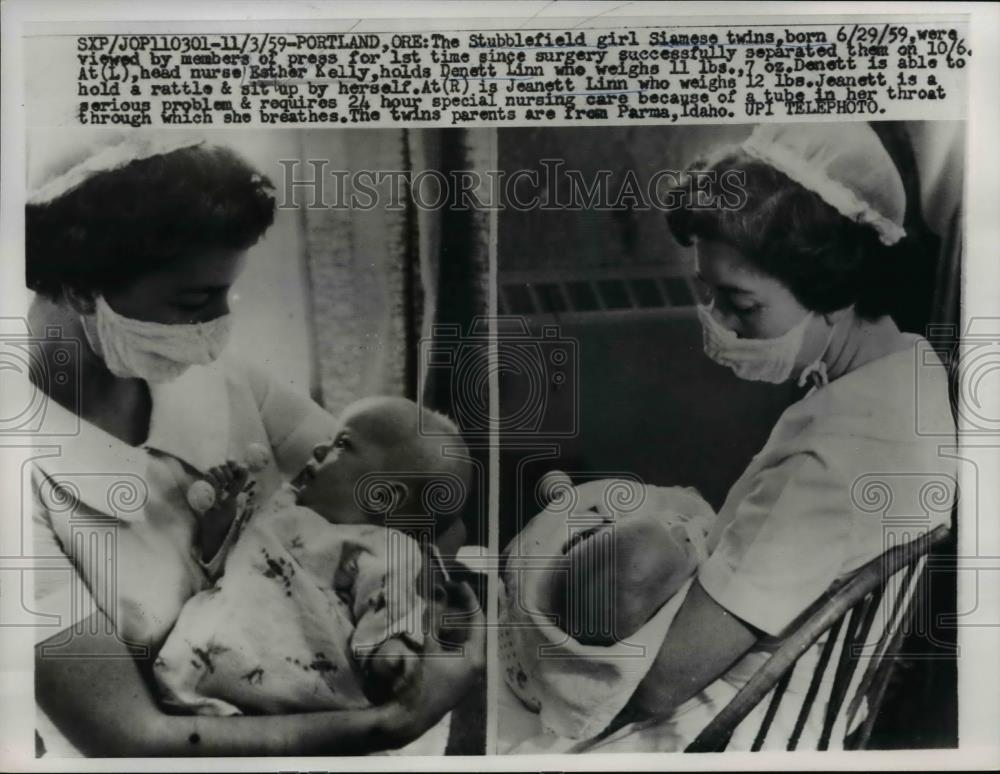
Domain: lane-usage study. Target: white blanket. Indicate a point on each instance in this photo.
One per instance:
(301, 605)
(521, 731)
(578, 689)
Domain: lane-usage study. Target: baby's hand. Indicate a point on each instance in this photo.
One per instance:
(228, 479)
(389, 670)
(229, 483)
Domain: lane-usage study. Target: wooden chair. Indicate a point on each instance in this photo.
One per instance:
(887, 584)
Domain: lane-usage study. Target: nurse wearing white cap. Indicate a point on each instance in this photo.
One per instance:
(800, 281)
(132, 251)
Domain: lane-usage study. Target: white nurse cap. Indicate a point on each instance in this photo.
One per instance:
(66, 165)
(845, 164)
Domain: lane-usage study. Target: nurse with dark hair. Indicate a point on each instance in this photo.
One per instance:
(798, 281)
(132, 253)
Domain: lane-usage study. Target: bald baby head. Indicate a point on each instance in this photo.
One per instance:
(396, 442)
(401, 427)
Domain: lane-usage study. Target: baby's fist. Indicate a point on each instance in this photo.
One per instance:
(388, 670)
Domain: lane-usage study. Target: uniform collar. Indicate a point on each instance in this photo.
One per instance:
(189, 421)
(875, 400)
(190, 418)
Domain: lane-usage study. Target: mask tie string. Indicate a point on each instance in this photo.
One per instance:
(816, 371)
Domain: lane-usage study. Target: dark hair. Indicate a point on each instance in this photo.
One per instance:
(825, 259)
(120, 224)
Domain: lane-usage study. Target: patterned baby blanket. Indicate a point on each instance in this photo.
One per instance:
(291, 625)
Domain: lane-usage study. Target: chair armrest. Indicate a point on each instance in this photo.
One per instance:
(715, 736)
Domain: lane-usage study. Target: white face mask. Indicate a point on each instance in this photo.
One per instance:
(152, 351)
(759, 360)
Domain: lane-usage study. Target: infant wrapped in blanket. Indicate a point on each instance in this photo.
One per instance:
(318, 606)
(590, 587)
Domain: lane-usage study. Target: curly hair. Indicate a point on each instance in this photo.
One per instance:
(120, 224)
(826, 260)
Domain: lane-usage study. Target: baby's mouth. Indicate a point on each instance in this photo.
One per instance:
(304, 476)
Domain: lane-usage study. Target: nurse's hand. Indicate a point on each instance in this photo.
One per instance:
(452, 664)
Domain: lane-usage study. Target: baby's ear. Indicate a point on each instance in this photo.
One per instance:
(401, 493)
(387, 497)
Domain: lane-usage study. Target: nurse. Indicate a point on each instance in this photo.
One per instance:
(132, 253)
(799, 283)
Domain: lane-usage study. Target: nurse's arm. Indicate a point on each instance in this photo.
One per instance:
(293, 422)
(703, 641)
(97, 697)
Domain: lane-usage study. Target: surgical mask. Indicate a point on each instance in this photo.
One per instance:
(760, 360)
(156, 352)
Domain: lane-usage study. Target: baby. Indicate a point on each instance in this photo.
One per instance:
(319, 604)
(589, 592)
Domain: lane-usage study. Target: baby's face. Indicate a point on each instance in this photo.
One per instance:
(376, 437)
(616, 574)
(382, 437)
(331, 477)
